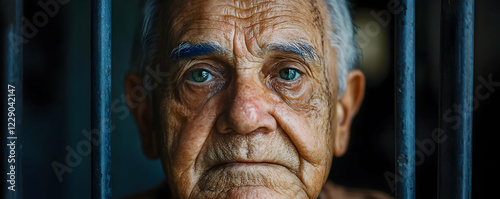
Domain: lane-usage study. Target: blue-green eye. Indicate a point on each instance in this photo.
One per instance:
(288, 74)
(200, 76)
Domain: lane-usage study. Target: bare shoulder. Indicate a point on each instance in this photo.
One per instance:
(331, 190)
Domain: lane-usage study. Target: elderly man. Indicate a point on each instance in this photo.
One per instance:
(256, 97)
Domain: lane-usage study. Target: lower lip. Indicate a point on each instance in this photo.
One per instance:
(233, 164)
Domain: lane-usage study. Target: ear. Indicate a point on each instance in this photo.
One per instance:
(140, 108)
(347, 107)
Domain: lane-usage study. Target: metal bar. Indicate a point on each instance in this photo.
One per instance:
(100, 99)
(12, 87)
(457, 70)
(405, 100)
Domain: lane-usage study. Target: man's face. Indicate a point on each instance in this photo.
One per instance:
(248, 111)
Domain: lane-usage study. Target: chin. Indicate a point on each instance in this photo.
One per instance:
(254, 192)
(249, 192)
(244, 180)
(245, 192)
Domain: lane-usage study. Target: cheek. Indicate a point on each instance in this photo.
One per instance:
(304, 109)
(296, 94)
(187, 129)
(304, 113)
(187, 126)
(307, 98)
(189, 105)
(193, 96)
(305, 119)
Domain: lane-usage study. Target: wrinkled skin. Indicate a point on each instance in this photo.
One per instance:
(247, 132)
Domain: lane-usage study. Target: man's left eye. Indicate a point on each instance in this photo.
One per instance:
(288, 74)
(200, 76)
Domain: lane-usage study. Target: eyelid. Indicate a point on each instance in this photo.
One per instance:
(214, 71)
(296, 66)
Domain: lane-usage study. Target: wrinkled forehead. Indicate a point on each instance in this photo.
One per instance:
(258, 22)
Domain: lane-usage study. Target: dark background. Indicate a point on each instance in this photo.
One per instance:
(57, 102)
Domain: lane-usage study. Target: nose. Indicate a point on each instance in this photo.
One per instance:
(248, 110)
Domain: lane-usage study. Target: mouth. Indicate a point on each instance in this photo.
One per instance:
(231, 174)
(245, 165)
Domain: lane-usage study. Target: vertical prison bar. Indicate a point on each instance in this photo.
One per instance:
(457, 68)
(12, 87)
(100, 98)
(405, 100)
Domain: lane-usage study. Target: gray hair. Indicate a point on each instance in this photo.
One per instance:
(342, 39)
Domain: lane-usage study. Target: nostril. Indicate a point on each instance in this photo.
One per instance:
(222, 124)
(261, 130)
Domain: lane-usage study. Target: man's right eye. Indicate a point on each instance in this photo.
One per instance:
(200, 76)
